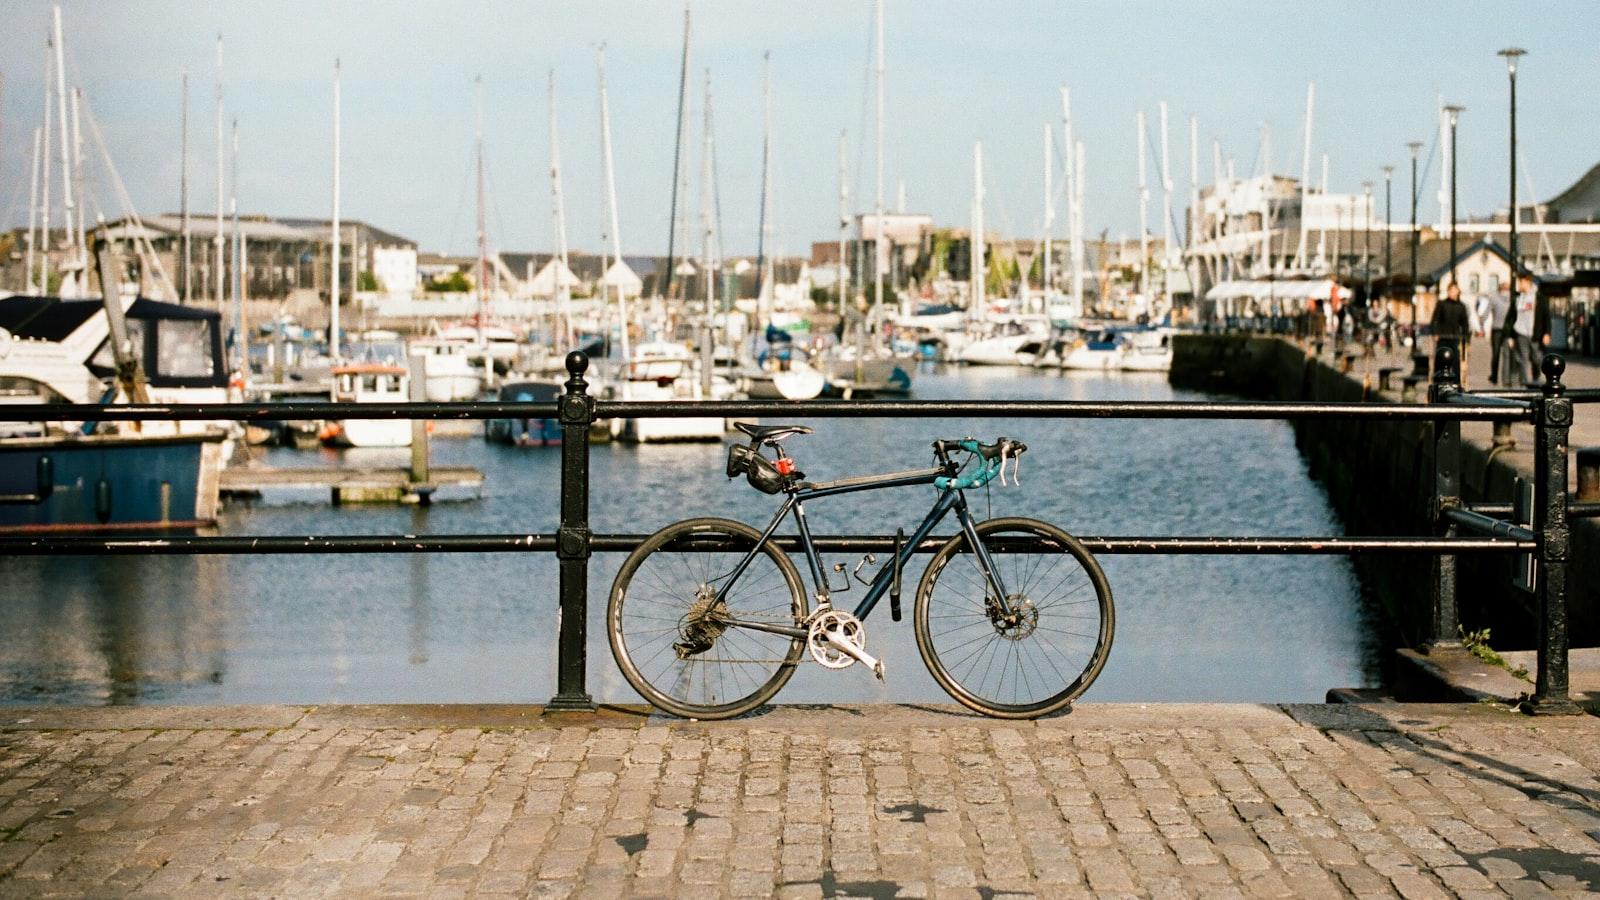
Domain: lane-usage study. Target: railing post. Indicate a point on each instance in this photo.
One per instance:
(1443, 622)
(572, 541)
(1553, 418)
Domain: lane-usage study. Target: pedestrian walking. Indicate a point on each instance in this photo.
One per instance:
(1452, 324)
(1499, 303)
(1529, 333)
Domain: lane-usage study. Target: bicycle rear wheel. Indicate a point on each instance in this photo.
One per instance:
(671, 636)
(1036, 659)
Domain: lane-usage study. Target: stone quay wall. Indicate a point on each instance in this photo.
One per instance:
(1379, 477)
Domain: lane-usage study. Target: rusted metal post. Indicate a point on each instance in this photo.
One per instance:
(1553, 418)
(1443, 622)
(573, 542)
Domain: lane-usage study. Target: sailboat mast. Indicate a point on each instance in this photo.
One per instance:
(1077, 225)
(217, 272)
(1193, 235)
(1144, 230)
(183, 196)
(877, 247)
(334, 237)
(77, 190)
(33, 220)
(1049, 211)
(976, 240)
(677, 155)
(44, 201)
(1305, 178)
(558, 208)
(611, 199)
(483, 228)
(766, 187)
(1168, 253)
(242, 345)
(843, 276)
(708, 269)
(1069, 149)
(75, 255)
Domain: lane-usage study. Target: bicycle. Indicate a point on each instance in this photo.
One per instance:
(708, 618)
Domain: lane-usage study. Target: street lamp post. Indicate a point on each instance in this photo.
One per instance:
(1415, 147)
(1512, 54)
(1388, 224)
(1366, 239)
(1455, 111)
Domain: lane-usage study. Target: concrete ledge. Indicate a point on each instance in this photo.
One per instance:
(1451, 674)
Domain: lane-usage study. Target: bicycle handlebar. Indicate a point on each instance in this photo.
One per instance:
(993, 458)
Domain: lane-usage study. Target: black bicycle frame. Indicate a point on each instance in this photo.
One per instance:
(795, 501)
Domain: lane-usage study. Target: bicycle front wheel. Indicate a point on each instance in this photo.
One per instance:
(1032, 652)
(679, 646)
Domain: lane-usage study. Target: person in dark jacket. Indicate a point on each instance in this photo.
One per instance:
(1452, 323)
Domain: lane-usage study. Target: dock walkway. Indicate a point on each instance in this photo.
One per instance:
(1158, 800)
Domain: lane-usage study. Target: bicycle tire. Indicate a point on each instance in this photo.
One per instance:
(645, 665)
(955, 665)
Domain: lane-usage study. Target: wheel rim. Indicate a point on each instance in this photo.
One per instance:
(671, 636)
(1032, 661)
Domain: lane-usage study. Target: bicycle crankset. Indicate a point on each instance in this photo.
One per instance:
(837, 640)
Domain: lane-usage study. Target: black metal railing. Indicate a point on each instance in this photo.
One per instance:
(1548, 537)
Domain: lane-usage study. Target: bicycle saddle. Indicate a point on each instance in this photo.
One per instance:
(772, 433)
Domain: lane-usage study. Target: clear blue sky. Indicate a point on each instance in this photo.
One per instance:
(956, 72)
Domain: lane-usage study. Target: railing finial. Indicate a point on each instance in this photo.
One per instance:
(1553, 366)
(1447, 364)
(577, 364)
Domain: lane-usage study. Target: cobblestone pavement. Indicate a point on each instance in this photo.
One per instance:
(1171, 800)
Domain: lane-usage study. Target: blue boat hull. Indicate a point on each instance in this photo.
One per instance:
(108, 483)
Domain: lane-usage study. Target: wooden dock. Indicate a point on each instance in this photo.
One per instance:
(349, 485)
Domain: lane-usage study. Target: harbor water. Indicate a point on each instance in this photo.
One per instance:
(482, 627)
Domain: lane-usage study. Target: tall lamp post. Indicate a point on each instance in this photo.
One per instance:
(1415, 147)
(1512, 54)
(1366, 239)
(1454, 110)
(1388, 225)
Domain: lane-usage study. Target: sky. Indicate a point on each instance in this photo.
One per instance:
(956, 73)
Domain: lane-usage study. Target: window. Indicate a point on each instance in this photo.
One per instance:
(106, 358)
(183, 349)
(1494, 283)
(1472, 283)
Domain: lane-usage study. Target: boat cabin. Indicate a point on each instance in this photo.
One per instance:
(370, 383)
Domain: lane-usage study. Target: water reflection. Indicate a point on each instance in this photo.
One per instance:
(481, 628)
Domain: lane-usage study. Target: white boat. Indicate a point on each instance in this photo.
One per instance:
(1006, 349)
(447, 369)
(659, 371)
(369, 383)
(1099, 351)
(1147, 351)
(797, 381)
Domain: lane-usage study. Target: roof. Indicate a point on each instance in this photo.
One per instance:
(1580, 202)
(374, 234)
(253, 229)
(1433, 251)
(55, 319)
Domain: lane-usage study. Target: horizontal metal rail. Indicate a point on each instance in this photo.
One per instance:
(1576, 395)
(1046, 409)
(1578, 509)
(1482, 524)
(247, 545)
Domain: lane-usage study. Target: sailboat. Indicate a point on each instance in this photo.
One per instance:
(781, 371)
